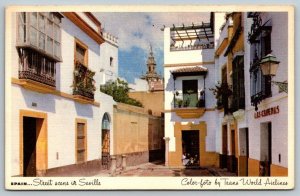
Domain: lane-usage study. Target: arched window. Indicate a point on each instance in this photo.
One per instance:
(106, 121)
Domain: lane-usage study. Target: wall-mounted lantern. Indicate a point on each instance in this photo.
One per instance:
(269, 65)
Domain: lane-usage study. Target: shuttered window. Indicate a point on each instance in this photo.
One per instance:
(238, 83)
(80, 142)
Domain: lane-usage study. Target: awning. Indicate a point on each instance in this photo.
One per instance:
(189, 71)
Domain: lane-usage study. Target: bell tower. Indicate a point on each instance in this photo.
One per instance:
(151, 74)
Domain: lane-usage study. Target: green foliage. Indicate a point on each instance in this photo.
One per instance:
(221, 89)
(178, 102)
(83, 83)
(119, 90)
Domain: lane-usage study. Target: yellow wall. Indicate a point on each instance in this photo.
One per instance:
(131, 130)
(150, 100)
(41, 143)
(242, 165)
(206, 158)
(253, 167)
(278, 170)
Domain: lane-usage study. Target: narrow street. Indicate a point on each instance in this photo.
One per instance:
(159, 170)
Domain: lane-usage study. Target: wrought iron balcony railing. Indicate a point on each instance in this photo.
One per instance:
(34, 66)
(83, 84)
(192, 100)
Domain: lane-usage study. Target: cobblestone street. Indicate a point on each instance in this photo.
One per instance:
(159, 170)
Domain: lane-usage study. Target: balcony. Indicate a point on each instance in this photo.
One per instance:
(189, 105)
(83, 84)
(36, 72)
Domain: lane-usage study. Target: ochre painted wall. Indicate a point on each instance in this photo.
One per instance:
(242, 165)
(206, 158)
(132, 132)
(278, 170)
(151, 101)
(253, 167)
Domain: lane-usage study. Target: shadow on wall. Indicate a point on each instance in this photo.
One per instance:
(39, 101)
(74, 31)
(170, 84)
(85, 110)
(58, 77)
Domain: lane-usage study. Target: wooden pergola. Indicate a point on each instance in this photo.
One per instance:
(192, 32)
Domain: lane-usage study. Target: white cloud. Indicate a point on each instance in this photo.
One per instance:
(141, 29)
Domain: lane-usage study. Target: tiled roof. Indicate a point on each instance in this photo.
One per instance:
(190, 69)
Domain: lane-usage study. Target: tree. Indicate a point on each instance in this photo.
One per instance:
(119, 90)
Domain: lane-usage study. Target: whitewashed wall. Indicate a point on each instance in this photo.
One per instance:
(108, 72)
(190, 56)
(61, 112)
(279, 45)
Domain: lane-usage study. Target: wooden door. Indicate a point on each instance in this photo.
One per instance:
(223, 158)
(233, 149)
(29, 146)
(105, 148)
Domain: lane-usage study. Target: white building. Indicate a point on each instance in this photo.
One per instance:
(253, 120)
(189, 72)
(60, 122)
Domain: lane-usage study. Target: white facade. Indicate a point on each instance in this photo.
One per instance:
(245, 118)
(108, 58)
(279, 122)
(174, 60)
(62, 110)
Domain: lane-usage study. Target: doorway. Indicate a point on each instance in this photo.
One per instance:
(265, 149)
(223, 158)
(244, 152)
(30, 135)
(233, 152)
(190, 148)
(105, 141)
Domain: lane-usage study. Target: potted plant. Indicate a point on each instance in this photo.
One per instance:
(221, 91)
(186, 102)
(178, 102)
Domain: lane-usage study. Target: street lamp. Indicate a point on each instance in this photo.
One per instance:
(269, 66)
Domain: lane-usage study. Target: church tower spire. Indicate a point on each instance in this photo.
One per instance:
(151, 75)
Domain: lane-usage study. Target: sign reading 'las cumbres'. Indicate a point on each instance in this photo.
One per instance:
(267, 112)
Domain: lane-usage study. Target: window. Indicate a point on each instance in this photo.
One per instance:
(238, 83)
(81, 53)
(190, 93)
(111, 59)
(40, 31)
(81, 149)
(260, 85)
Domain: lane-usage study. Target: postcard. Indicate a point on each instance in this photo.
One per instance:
(110, 97)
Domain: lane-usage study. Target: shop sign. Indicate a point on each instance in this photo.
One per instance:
(267, 112)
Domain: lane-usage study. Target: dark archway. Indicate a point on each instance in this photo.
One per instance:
(105, 141)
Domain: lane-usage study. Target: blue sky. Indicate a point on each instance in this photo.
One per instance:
(136, 31)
